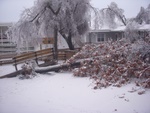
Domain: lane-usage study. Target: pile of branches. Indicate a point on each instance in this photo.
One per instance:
(114, 63)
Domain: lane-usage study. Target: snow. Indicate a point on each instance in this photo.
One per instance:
(63, 93)
(107, 29)
(120, 28)
(145, 27)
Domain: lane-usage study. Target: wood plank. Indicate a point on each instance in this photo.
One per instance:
(5, 56)
(24, 55)
(43, 53)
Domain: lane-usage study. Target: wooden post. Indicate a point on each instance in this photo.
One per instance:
(36, 59)
(65, 55)
(55, 43)
(53, 53)
(1, 63)
(15, 64)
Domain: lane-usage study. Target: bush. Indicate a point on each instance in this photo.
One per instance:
(28, 70)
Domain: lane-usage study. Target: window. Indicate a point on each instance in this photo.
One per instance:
(116, 37)
(100, 37)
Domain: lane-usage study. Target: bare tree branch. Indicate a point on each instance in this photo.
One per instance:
(55, 12)
(44, 9)
(41, 12)
(122, 18)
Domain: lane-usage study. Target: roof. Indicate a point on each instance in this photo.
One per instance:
(101, 30)
(120, 28)
(6, 24)
(145, 27)
(106, 29)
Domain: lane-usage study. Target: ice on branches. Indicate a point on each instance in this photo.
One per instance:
(115, 63)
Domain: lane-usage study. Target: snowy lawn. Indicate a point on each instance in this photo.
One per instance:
(64, 93)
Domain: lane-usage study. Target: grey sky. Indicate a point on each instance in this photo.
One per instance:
(130, 7)
(10, 10)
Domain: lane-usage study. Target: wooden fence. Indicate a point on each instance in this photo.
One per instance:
(6, 58)
(32, 56)
(63, 54)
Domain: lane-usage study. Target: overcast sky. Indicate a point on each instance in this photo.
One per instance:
(10, 10)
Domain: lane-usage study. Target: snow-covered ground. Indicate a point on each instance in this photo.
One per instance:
(64, 93)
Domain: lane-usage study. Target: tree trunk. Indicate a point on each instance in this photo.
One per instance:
(13, 74)
(56, 67)
(44, 69)
(69, 42)
(55, 43)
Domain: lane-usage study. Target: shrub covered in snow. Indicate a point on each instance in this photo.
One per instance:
(115, 63)
(28, 70)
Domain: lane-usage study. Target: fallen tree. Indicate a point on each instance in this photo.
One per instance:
(115, 63)
(10, 75)
(55, 68)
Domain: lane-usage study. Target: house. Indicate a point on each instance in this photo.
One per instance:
(143, 30)
(6, 45)
(105, 34)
